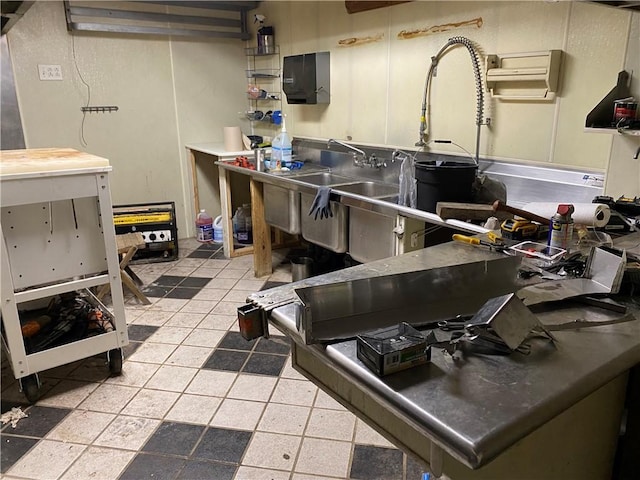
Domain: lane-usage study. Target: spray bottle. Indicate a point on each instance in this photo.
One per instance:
(561, 231)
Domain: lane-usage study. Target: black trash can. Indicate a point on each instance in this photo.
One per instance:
(444, 182)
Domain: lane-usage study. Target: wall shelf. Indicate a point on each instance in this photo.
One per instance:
(613, 130)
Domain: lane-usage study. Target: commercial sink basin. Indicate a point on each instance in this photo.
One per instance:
(324, 179)
(370, 189)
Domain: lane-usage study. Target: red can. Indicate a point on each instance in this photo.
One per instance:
(624, 110)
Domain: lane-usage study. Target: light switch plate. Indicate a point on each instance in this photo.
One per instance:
(50, 72)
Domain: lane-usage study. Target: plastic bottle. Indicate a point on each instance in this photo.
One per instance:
(243, 222)
(276, 152)
(204, 227)
(285, 145)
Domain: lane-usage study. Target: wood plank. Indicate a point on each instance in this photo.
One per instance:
(227, 214)
(363, 6)
(194, 181)
(262, 263)
(468, 211)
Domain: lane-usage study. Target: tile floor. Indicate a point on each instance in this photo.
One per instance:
(195, 400)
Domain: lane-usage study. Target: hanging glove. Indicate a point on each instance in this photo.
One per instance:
(321, 204)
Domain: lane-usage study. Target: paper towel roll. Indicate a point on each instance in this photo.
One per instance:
(233, 139)
(589, 214)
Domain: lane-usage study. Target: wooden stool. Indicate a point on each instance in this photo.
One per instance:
(128, 245)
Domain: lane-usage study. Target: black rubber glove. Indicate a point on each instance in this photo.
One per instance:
(321, 204)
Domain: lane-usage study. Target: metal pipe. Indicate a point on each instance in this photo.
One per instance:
(346, 145)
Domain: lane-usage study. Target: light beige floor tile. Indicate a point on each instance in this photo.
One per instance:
(199, 306)
(152, 353)
(215, 263)
(237, 296)
(212, 383)
(243, 262)
(252, 387)
(109, 398)
(289, 372)
(218, 322)
(172, 378)
(222, 283)
(170, 304)
(99, 463)
(281, 276)
(211, 294)
(129, 433)
(231, 273)
(190, 262)
(203, 337)
(280, 418)
(134, 374)
(235, 327)
(251, 276)
(166, 334)
(324, 400)
(185, 319)
(272, 450)
(206, 272)
(304, 476)
(155, 318)
(187, 356)
(81, 427)
(253, 473)
(67, 394)
(151, 403)
(180, 271)
(227, 308)
(251, 285)
(368, 436)
(324, 457)
(332, 424)
(61, 371)
(294, 392)
(47, 460)
(194, 409)
(238, 414)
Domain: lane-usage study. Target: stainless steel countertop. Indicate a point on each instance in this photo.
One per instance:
(477, 409)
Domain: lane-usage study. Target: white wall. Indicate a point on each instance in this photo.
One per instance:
(169, 92)
(174, 91)
(376, 88)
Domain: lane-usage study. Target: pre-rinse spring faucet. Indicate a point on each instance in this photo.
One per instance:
(475, 63)
(360, 158)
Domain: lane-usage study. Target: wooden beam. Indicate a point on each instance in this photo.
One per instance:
(262, 263)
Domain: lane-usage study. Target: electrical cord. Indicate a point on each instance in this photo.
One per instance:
(83, 142)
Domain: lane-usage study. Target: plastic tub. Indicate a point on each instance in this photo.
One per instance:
(444, 182)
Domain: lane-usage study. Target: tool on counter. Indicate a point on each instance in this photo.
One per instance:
(517, 229)
(391, 349)
(476, 241)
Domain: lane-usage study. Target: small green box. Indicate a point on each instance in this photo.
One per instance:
(389, 350)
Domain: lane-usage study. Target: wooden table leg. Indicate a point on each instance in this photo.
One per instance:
(227, 214)
(262, 263)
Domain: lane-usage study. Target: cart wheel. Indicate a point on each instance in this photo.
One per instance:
(31, 387)
(115, 361)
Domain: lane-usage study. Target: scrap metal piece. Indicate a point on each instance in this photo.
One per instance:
(579, 323)
(603, 275)
(509, 318)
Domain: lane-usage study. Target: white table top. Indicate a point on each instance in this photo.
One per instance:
(217, 149)
(48, 161)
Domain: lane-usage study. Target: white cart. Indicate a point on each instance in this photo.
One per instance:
(57, 236)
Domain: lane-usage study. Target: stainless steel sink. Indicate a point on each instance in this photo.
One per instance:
(370, 189)
(324, 179)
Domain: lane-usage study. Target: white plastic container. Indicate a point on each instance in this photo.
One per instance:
(217, 229)
(276, 153)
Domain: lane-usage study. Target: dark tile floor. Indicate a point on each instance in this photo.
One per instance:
(195, 400)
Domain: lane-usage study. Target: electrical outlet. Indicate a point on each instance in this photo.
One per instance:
(50, 72)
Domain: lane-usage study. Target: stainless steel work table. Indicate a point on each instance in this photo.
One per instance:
(552, 414)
